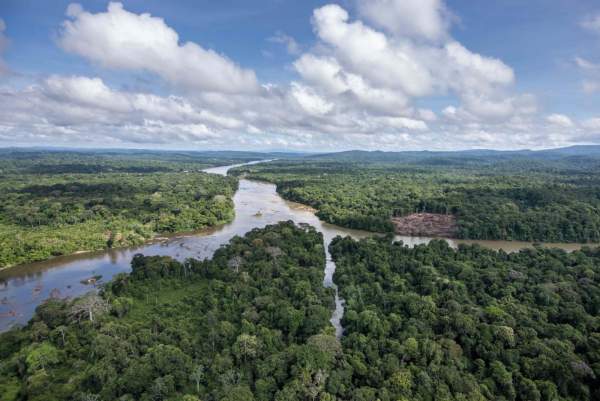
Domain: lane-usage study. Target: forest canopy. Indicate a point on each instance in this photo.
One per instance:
(435, 323)
(59, 203)
(428, 323)
(252, 323)
(498, 198)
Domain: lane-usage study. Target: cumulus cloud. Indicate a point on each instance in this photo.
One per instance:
(370, 54)
(592, 123)
(428, 19)
(592, 23)
(361, 85)
(290, 43)
(310, 101)
(79, 104)
(120, 39)
(560, 120)
(386, 70)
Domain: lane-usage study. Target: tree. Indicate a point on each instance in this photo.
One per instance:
(314, 383)
(90, 306)
(235, 263)
(197, 376)
(40, 356)
(90, 397)
(246, 346)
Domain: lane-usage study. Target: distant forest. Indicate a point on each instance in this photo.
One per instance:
(57, 203)
(549, 196)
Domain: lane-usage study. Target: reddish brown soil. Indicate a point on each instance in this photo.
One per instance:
(426, 224)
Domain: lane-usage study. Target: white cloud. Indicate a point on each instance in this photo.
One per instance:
(290, 43)
(427, 115)
(370, 54)
(309, 100)
(474, 71)
(586, 64)
(327, 75)
(591, 23)
(591, 71)
(428, 19)
(391, 69)
(405, 123)
(120, 39)
(90, 92)
(592, 123)
(359, 86)
(560, 120)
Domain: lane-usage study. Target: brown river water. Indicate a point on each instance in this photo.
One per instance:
(257, 204)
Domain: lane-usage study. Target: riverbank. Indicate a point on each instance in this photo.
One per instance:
(419, 234)
(25, 287)
(159, 238)
(59, 215)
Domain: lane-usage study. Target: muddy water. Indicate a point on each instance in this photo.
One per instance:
(257, 204)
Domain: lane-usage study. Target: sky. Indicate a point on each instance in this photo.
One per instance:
(300, 75)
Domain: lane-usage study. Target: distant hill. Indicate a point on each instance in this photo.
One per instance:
(462, 156)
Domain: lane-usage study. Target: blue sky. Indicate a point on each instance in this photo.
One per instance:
(536, 66)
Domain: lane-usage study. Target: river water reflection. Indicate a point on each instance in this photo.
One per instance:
(257, 204)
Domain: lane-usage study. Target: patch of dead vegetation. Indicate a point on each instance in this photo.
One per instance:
(426, 224)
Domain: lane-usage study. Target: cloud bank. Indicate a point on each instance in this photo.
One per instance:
(359, 86)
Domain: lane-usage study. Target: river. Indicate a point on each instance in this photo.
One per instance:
(257, 204)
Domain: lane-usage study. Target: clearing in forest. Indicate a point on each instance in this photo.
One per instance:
(426, 224)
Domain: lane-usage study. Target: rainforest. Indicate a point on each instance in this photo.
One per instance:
(252, 323)
(58, 203)
(299, 289)
(541, 197)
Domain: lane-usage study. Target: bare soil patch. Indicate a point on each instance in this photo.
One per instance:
(426, 224)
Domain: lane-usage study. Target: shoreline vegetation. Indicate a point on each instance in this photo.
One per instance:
(158, 238)
(249, 323)
(56, 203)
(127, 210)
(62, 203)
(489, 198)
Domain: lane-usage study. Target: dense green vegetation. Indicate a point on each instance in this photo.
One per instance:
(513, 198)
(433, 323)
(423, 324)
(58, 203)
(252, 323)
(32, 161)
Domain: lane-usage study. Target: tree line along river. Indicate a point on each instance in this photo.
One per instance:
(257, 204)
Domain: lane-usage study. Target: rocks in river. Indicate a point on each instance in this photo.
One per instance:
(37, 290)
(91, 280)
